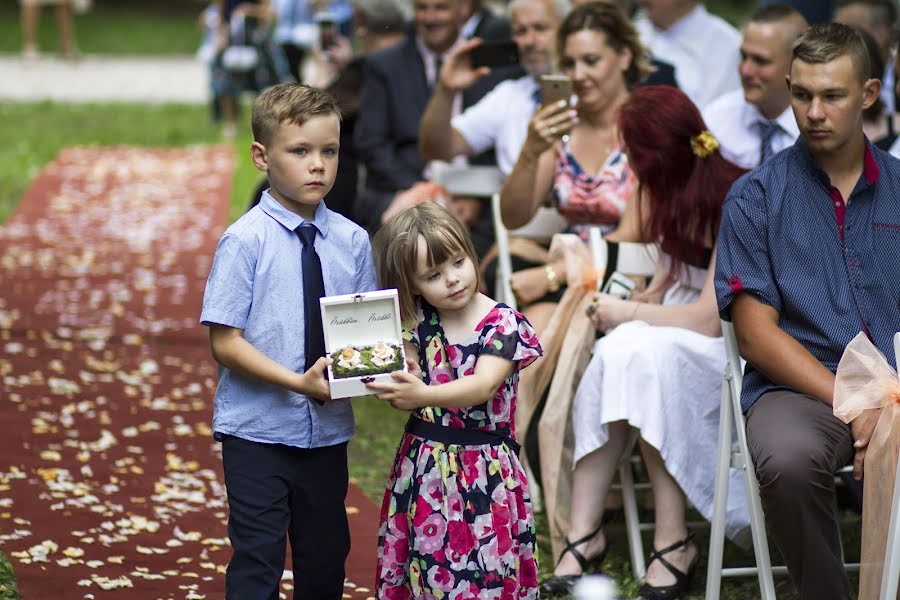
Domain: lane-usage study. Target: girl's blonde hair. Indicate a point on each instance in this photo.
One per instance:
(396, 247)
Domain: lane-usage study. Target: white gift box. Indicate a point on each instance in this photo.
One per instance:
(360, 320)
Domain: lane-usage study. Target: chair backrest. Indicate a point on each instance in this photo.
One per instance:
(633, 258)
(503, 288)
(545, 223)
(472, 180)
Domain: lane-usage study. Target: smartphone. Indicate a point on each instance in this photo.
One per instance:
(619, 285)
(327, 29)
(555, 88)
(495, 54)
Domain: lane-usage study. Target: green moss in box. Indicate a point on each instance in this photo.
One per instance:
(365, 365)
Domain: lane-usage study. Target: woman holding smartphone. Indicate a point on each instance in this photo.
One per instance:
(572, 155)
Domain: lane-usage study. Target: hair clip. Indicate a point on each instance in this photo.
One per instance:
(703, 144)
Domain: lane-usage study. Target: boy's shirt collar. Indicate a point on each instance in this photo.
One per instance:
(290, 220)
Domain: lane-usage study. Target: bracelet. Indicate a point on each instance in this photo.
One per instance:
(552, 279)
(637, 305)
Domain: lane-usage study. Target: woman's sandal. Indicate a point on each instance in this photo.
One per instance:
(563, 584)
(682, 583)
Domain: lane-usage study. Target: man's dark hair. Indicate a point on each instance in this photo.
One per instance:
(886, 8)
(772, 13)
(382, 16)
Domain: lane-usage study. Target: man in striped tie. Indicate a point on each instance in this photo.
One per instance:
(755, 122)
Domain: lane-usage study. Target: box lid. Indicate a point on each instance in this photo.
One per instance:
(361, 319)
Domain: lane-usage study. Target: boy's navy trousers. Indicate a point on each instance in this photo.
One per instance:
(276, 493)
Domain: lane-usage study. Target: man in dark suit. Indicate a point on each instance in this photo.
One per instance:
(396, 88)
(480, 22)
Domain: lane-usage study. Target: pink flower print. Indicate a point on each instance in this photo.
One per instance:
(528, 335)
(455, 505)
(461, 539)
(440, 557)
(465, 590)
(404, 475)
(501, 526)
(490, 556)
(473, 470)
(468, 367)
(441, 375)
(455, 421)
(395, 552)
(423, 511)
(499, 406)
(394, 592)
(527, 570)
(440, 578)
(492, 318)
(521, 508)
(397, 526)
(453, 354)
(430, 536)
(432, 489)
(482, 526)
(510, 589)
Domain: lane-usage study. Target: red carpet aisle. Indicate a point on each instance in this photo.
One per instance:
(110, 481)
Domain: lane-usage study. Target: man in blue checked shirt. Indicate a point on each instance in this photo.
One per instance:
(809, 256)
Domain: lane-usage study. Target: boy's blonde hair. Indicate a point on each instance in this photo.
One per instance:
(291, 102)
(396, 248)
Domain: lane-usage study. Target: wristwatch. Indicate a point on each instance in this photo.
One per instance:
(552, 279)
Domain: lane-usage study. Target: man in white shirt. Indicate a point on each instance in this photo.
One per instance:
(877, 17)
(702, 47)
(756, 122)
(500, 119)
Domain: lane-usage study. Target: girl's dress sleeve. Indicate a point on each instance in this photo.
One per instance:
(411, 334)
(410, 330)
(508, 334)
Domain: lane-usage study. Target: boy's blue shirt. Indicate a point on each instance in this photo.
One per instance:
(256, 284)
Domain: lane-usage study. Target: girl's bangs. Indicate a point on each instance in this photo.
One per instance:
(442, 245)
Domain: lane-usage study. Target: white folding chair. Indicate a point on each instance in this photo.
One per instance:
(481, 181)
(639, 260)
(733, 453)
(543, 225)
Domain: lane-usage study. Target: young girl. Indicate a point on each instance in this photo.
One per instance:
(456, 521)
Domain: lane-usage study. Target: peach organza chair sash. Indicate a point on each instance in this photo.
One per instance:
(864, 381)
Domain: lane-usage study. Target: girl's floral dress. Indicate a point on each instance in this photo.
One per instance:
(456, 521)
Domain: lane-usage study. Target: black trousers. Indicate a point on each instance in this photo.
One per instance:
(276, 492)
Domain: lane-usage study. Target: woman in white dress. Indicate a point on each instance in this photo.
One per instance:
(658, 370)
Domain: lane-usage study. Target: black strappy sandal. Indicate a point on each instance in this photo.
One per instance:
(682, 583)
(563, 584)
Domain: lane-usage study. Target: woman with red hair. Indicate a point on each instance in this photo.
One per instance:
(658, 370)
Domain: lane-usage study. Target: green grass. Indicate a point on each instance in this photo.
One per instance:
(8, 589)
(113, 27)
(32, 134)
(736, 12)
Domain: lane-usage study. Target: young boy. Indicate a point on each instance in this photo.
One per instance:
(284, 440)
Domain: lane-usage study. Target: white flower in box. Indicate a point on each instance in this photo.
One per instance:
(382, 354)
(350, 359)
